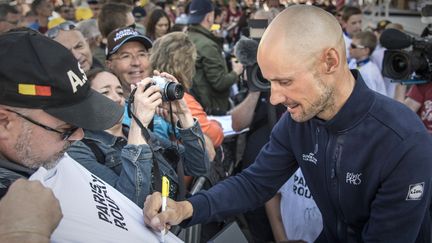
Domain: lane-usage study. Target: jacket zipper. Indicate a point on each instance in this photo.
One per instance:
(341, 225)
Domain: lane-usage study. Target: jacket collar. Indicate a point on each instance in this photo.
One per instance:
(4, 163)
(355, 108)
(104, 137)
(200, 29)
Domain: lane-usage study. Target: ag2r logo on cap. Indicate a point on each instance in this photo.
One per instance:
(415, 191)
(75, 80)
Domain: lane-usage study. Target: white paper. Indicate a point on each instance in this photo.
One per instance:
(93, 211)
(226, 122)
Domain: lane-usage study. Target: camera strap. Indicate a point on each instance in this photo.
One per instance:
(146, 135)
(181, 194)
(179, 168)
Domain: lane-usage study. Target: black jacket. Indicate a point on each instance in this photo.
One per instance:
(10, 172)
(369, 170)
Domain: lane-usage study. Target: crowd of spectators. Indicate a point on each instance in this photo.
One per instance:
(121, 45)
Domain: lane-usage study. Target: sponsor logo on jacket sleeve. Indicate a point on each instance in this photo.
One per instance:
(415, 191)
(310, 158)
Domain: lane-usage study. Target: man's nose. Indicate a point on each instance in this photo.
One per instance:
(275, 95)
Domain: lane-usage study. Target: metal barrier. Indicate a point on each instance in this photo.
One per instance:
(193, 233)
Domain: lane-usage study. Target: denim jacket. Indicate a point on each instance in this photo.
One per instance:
(128, 168)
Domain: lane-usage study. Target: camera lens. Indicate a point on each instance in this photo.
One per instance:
(256, 80)
(396, 65)
(174, 91)
(399, 64)
(170, 90)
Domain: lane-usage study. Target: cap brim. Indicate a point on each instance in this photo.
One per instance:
(195, 19)
(95, 112)
(142, 39)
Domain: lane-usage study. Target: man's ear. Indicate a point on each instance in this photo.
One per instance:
(6, 120)
(368, 51)
(209, 17)
(108, 64)
(344, 24)
(331, 60)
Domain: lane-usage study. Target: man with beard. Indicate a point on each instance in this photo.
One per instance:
(366, 157)
(45, 101)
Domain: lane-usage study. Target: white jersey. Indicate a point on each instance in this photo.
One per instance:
(377, 57)
(300, 215)
(371, 76)
(347, 41)
(93, 211)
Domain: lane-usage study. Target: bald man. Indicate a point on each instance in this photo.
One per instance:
(366, 158)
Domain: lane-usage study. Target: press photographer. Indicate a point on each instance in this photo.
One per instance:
(245, 51)
(412, 66)
(255, 112)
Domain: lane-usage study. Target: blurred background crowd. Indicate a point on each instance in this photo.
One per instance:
(204, 55)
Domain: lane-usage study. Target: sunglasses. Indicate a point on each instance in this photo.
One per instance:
(354, 46)
(54, 31)
(64, 135)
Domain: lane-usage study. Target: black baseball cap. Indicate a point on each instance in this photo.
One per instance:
(119, 37)
(39, 73)
(139, 12)
(198, 9)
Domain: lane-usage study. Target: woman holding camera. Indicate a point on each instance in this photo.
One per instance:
(176, 54)
(133, 163)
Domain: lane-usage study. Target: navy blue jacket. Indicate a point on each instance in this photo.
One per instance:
(369, 170)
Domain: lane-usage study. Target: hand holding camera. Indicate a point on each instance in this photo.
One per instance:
(147, 98)
(178, 106)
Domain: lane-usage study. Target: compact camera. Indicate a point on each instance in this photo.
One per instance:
(170, 90)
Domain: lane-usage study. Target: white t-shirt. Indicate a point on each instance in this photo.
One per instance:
(300, 215)
(93, 211)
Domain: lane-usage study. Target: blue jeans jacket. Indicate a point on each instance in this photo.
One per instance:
(128, 168)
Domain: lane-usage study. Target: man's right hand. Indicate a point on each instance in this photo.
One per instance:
(174, 214)
(237, 67)
(29, 212)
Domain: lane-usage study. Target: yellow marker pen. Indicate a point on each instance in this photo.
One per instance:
(165, 192)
